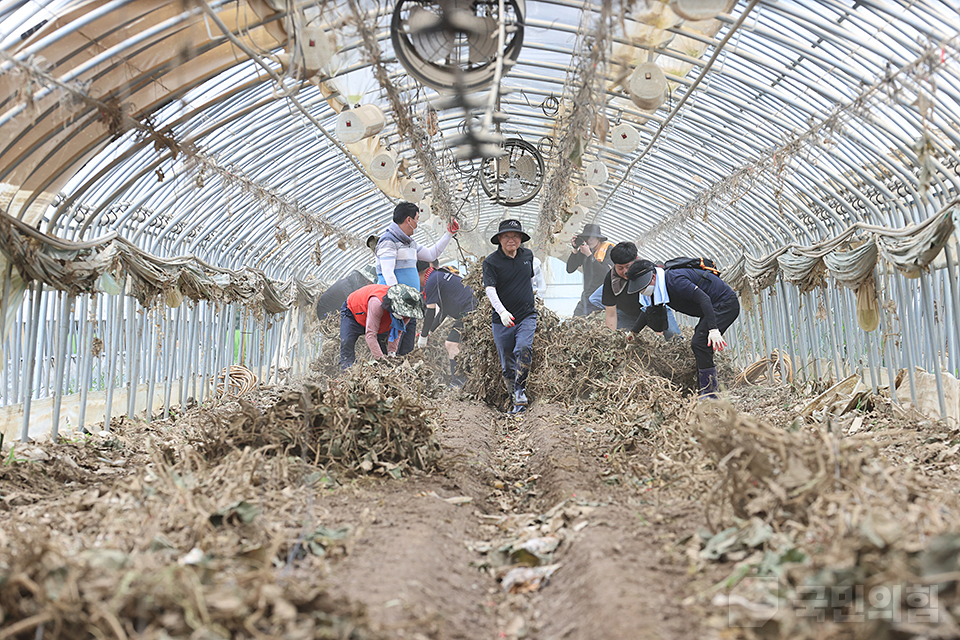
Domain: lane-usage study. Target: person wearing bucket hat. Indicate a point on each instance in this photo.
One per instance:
(376, 311)
(591, 255)
(508, 282)
(397, 255)
(692, 291)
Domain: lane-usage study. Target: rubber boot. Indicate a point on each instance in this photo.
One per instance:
(708, 383)
(520, 396)
(456, 380)
(510, 381)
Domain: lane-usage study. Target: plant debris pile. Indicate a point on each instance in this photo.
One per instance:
(578, 360)
(826, 509)
(327, 361)
(212, 560)
(775, 473)
(375, 416)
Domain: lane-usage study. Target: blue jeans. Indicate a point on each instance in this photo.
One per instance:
(595, 300)
(587, 305)
(515, 348)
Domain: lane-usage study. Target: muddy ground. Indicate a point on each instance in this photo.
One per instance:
(552, 525)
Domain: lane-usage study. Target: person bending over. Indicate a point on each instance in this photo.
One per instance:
(694, 292)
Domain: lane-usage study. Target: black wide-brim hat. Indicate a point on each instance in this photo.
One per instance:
(591, 231)
(639, 275)
(510, 225)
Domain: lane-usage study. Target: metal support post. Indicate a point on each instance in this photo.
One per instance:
(30, 361)
(85, 352)
(788, 316)
(66, 315)
(933, 330)
(906, 329)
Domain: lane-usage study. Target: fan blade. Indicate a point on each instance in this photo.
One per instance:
(512, 188)
(482, 38)
(526, 168)
(428, 36)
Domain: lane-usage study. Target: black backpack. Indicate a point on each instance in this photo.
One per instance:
(704, 264)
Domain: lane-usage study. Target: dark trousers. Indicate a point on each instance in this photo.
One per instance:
(586, 306)
(409, 338)
(515, 348)
(350, 332)
(727, 311)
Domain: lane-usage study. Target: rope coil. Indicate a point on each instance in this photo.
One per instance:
(235, 381)
(777, 362)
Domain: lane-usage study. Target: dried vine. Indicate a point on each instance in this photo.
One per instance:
(775, 160)
(583, 93)
(115, 118)
(416, 136)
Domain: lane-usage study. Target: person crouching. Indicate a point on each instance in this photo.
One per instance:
(375, 311)
(694, 292)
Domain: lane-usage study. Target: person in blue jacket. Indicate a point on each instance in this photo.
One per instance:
(694, 292)
(397, 255)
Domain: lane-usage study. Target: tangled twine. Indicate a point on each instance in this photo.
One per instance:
(235, 381)
(777, 362)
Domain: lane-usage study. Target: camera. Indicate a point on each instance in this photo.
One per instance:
(577, 241)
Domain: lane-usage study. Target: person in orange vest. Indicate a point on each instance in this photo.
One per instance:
(590, 253)
(373, 311)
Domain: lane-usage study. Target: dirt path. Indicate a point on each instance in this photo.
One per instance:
(427, 567)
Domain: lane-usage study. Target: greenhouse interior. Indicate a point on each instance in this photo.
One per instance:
(679, 359)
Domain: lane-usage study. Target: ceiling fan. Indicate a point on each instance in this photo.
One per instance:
(515, 177)
(449, 43)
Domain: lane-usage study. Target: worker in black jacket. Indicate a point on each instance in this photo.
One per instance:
(335, 294)
(445, 295)
(333, 297)
(694, 292)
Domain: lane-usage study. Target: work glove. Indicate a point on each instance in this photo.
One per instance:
(453, 226)
(391, 354)
(421, 342)
(715, 340)
(506, 318)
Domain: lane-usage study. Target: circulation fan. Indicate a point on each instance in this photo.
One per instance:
(441, 41)
(514, 178)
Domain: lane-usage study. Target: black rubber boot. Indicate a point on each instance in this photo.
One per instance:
(708, 383)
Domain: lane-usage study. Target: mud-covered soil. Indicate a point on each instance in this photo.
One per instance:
(545, 526)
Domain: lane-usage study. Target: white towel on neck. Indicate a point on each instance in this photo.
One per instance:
(660, 295)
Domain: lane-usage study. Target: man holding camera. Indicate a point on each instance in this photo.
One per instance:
(590, 253)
